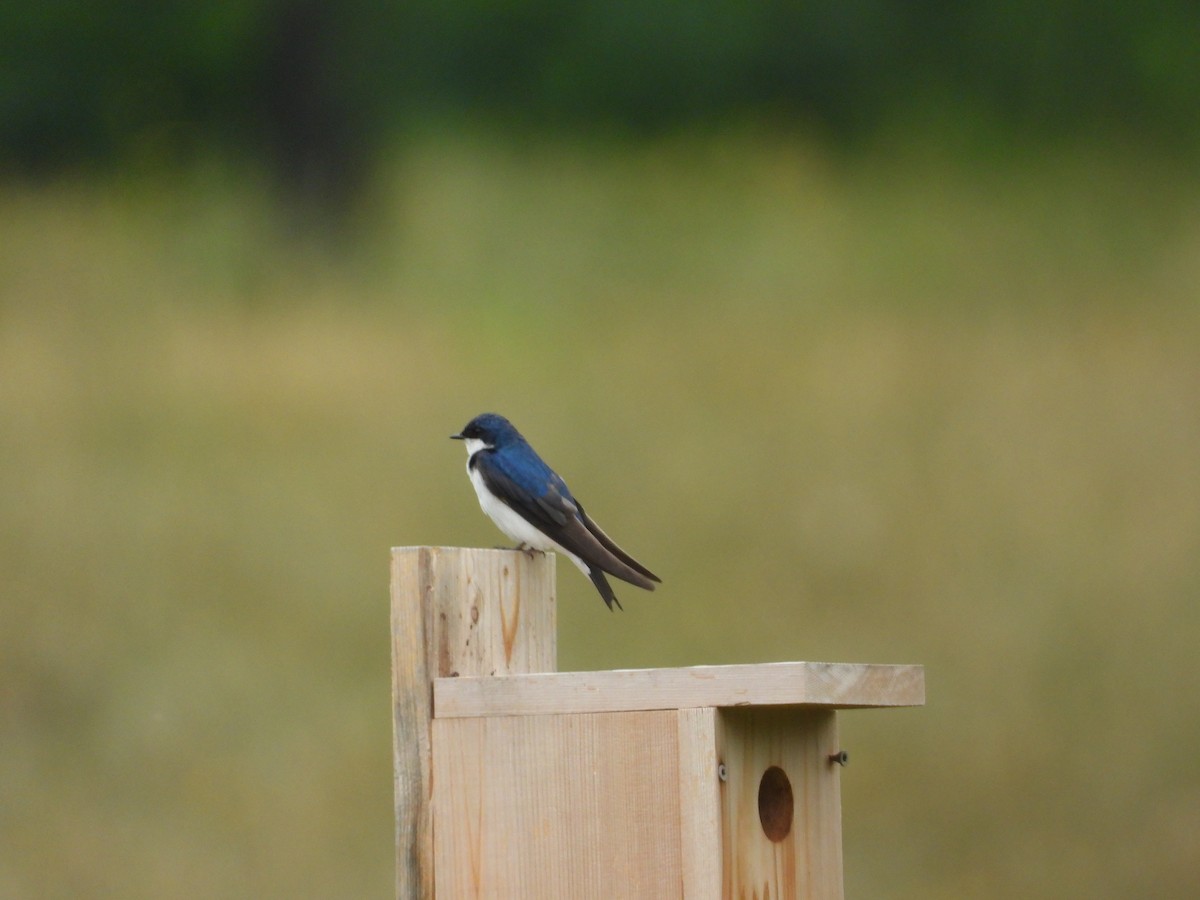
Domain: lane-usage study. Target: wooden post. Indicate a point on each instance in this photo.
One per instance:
(514, 780)
(455, 611)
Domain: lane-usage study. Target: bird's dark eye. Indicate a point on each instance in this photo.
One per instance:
(471, 431)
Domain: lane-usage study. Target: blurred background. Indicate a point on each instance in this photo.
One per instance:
(872, 328)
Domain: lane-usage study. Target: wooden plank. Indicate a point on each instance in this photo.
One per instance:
(699, 804)
(832, 685)
(784, 841)
(465, 611)
(569, 806)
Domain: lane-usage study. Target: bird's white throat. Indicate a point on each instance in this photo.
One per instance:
(474, 445)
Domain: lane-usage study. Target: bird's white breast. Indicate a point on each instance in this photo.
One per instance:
(512, 523)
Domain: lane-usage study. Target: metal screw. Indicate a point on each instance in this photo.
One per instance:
(722, 772)
(841, 757)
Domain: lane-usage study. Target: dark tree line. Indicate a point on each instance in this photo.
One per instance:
(313, 86)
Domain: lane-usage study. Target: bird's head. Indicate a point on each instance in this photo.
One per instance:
(485, 432)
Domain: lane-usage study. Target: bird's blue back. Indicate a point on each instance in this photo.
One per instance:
(515, 459)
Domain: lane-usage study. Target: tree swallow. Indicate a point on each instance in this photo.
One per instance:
(531, 504)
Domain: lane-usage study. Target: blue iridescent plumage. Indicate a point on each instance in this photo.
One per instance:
(532, 504)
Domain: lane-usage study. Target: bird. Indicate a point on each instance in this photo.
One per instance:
(532, 505)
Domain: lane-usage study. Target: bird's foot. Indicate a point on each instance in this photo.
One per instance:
(527, 550)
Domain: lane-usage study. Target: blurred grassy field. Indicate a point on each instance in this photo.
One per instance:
(901, 410)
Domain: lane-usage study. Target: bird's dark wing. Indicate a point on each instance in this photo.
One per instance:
(554, 512)
(612, 548)
(527, 491)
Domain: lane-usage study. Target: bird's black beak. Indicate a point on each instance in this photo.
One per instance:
(457, 437)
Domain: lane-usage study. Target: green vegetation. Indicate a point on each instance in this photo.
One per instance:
(905, 410)
(316, 90)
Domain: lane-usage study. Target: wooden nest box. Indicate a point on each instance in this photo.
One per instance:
(514, 780)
